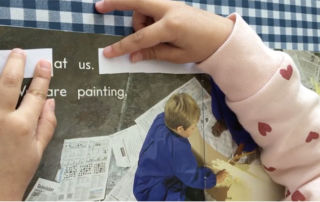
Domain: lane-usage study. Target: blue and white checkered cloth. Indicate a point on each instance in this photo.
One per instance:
(282, 24)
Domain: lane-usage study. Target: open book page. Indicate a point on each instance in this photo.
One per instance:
(105, 117)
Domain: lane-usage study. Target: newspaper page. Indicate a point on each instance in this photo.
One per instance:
(123, 191)
(44, 190)
(84, 168)
(223, 144)
(126, 146)
(115, 174)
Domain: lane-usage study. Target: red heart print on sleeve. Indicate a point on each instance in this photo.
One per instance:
(312, 136)
(286, 73)
(264, 128)
(298, 196)
(270, 169)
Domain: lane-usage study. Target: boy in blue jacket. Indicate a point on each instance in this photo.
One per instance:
(167, 166)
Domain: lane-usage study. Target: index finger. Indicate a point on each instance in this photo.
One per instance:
(154, 8)
(11, 80)
(33, 101)
(144, 38)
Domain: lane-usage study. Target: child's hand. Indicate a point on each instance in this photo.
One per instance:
(26, 131)
(237, 154)
(221, 176)
(235, 159)
(239, 150)
(218, 128)
(168, 30)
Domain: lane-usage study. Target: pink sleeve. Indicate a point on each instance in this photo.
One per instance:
(244, 60)
(263, 88)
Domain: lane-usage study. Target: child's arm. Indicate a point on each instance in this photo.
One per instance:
(185, 167)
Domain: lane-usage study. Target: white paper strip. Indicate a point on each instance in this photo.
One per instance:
(33, 56)
(122, 64)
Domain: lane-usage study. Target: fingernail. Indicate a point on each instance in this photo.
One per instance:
(136, 57)
(107, 51)
(45, 64)
(99, 5)
(52, 104)
(18, 51)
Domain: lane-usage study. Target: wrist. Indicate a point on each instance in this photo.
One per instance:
(221, 29)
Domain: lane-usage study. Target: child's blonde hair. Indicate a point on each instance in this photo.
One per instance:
(181, 110)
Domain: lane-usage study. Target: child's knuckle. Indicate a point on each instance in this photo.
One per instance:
(138, 36)
(11, 80)
(22, 125)
(173, 23)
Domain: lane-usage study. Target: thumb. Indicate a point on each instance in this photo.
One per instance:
(159, 52)
(47, 124)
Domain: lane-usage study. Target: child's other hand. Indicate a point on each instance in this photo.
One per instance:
(26, 131)
(235, 159)
(168, 30)
(218, 128)
(221, 176)
(237, 154)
